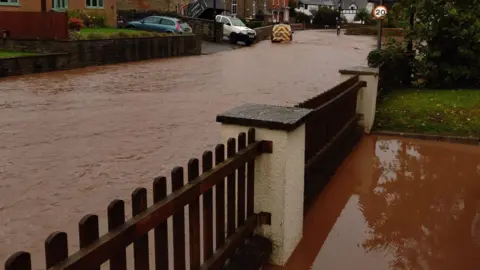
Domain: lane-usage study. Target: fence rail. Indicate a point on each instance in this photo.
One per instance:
(34, 25)
(334, 116)
(238, 216)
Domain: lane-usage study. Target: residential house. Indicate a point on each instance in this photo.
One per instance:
(157, 5)
(275, 10)
(105, 8)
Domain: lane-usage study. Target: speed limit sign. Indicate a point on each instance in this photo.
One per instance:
(380, 12)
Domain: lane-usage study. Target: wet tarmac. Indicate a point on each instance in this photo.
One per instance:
(396, 204)
(70, 142)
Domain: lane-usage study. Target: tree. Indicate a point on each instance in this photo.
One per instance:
(447, 35)
(292, 6)
(362, 15)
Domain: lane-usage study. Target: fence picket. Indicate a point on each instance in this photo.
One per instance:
(88, 232)
(140, 246)
(242, 144)
(220, 200)
(56, 248)
(250, 176)
(231, 147)
(20, 260)
(178, 224)
(207, 164)
(194, 218)
(161, 231)
(116, 218)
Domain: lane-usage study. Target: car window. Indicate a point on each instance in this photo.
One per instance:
(218, 19)
(225, 20)
(167, 22)
(151, 20)
(237, 22)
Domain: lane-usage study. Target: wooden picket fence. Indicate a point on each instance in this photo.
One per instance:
(234, 216)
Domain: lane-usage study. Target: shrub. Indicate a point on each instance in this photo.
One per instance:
(75, 24)
(395, 65)
(254, 24)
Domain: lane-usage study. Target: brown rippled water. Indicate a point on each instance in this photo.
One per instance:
(72, 141)
(396, 204)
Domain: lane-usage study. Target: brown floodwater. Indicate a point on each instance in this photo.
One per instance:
(396, 204)
(72, 141)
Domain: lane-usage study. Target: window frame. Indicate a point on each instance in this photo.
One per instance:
(97, 6)
(54, 7)
(234, 5)
(11, 3)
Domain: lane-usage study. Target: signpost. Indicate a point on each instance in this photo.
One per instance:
(379, 13)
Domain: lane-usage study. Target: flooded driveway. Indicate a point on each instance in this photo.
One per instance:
(72, 141)
(397, 204)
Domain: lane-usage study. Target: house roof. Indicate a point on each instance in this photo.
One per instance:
(317, 2)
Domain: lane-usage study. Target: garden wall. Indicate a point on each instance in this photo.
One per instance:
(204, 28)
(33, 64)
(84, 53)
(264, 33)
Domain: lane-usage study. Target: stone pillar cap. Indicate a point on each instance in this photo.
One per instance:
(360, 70)
(265, 116)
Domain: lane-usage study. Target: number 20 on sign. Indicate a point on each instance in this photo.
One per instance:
(380, 12)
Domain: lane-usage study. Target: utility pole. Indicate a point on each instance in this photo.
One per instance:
(214, 20)
(379, 22)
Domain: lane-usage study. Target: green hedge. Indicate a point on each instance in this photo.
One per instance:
(254, 24)
(373, 31)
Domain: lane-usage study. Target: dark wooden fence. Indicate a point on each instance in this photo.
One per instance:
(234, 224)
(34, 25)
(330, 132)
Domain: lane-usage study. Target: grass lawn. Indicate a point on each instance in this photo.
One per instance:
(108, 33)
(444, 112)
(10, 54)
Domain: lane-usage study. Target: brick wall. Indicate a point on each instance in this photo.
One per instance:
(204, 28)
(264, 33)
(84, 53)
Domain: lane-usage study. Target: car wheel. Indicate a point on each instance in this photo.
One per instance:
(233, 38)
(130, 27)
(248, 43)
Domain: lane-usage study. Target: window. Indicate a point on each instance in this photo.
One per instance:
(59, 4)
(151, 20)
(94, 3)
(167, 22)
(234, 7)
(9, 2)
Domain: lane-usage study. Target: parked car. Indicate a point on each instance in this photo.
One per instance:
(160, 24)
(236, 30)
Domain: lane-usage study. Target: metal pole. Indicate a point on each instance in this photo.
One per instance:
(214, 20)
(379, 41)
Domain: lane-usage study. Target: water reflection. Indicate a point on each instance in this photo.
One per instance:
(397, 204)
(423, 205)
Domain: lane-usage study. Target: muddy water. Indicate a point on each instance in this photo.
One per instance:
(397, 204)
(70, 142)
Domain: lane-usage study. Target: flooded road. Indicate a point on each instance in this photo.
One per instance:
(397, 204)
(72, 141)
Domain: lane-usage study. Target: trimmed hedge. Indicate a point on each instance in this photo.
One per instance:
(373, 31)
